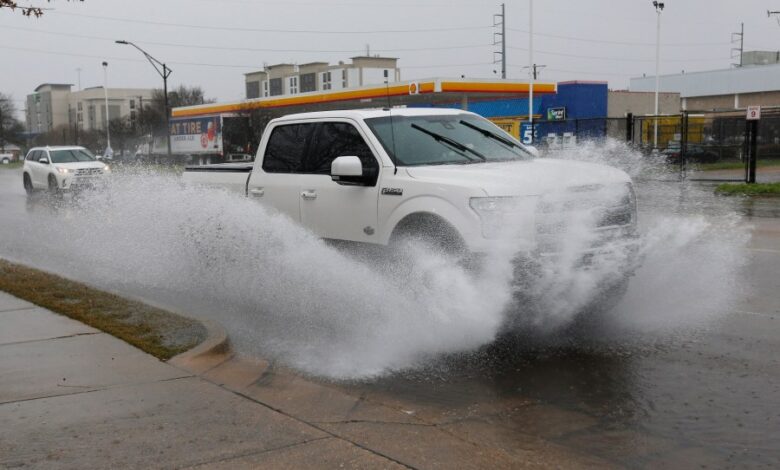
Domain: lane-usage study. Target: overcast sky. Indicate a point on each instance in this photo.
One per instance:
(212, 43)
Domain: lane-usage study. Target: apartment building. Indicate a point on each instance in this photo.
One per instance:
(293, 79)
(54, 105)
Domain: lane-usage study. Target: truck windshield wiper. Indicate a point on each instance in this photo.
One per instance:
(491, 135)
(452, 142)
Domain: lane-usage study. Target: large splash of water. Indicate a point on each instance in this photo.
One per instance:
(289, 296)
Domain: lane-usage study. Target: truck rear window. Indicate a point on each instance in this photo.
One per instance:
(286, 148)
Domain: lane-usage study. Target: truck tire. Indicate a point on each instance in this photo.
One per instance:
(430, 230)
(28, 186)
(54, 188)
(6, 161)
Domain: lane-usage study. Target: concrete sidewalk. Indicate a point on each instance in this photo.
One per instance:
(73, 397)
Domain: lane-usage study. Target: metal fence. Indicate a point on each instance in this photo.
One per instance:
(687, 141)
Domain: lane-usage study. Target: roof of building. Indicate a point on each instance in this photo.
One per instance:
(748, 79)
(53, 85)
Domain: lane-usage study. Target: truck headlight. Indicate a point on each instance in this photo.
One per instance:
(106, 169)
(504, 217)
(63, 171)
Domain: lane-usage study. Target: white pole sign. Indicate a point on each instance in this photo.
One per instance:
(753, 113)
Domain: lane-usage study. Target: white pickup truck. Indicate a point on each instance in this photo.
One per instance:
(448, 176)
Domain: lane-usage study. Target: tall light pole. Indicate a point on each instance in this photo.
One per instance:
(108, 152)
(659, 7)
(164, 72)
(531, 66)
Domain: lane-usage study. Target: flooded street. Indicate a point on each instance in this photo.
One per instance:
(682, 378)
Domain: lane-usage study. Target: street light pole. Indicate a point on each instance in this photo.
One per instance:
(530, 66)
(108, 152)
(659, 7)
(164, 72)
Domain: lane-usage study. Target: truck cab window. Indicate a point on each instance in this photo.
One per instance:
(337, 139)
(286, 147)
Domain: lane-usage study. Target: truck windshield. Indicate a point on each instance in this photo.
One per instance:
(445, 139)
(70, 156)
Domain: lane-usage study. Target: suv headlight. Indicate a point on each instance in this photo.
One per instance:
(62, 170)
(504, 217)
(106, 169)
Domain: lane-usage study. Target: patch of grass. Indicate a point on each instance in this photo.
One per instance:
(733, 165)
(731, 189)
(11, 166)
(155, 331)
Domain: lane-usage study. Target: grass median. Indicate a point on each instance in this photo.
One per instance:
(155, 331)
(744, 189)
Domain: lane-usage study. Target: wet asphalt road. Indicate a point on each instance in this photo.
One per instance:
(707, 398)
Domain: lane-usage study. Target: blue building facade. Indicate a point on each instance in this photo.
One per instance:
(578, 107)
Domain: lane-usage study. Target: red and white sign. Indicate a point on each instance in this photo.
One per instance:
(753, 113)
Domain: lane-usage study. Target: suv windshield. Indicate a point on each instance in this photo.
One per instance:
(445, 139)
(71, 155)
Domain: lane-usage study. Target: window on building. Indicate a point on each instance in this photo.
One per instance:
(344, 78)
(276, 86)
(326, 83)
(252, 90)
(79, 106)
(265, 87)
(293, 82)
(308, 82)
(80, 117)
(132, 104)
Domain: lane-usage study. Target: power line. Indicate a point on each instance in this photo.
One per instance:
(273, 30)
(248, 49)
(617, 59)
(621, 43)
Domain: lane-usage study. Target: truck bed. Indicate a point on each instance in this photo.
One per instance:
(232, 176)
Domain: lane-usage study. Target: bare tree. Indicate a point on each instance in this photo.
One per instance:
(11, 129)
(26, 10)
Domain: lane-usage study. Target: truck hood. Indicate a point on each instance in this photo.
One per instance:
(521, 178)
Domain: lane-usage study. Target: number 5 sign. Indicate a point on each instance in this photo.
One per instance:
(753, 113)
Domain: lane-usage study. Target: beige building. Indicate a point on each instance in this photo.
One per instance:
(55, 105)
(640, 103)
(292, 79)
(757, 83)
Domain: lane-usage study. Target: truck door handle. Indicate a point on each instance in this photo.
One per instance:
(257, 192)
(311, 194)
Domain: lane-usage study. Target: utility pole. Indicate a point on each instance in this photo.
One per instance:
(502, 42)
(534, 68)
(659, 7)
(775, 13)
(78, 74)
(740, 36)
(108, 152)
(2, 127)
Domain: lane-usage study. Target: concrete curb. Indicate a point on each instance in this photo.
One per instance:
(214, 350)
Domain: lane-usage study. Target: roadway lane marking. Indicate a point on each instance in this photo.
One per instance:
(765, 250)
(760, 314)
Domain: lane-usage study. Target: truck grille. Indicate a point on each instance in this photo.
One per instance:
(596, 209)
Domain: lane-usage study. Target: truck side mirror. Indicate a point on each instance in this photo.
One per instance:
(533, 150)
(348, 171)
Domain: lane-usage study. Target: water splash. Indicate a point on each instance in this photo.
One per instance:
(288, 296)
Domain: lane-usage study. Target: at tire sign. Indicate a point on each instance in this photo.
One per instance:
(753, 113)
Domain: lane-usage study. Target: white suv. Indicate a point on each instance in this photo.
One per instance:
(61, 168)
